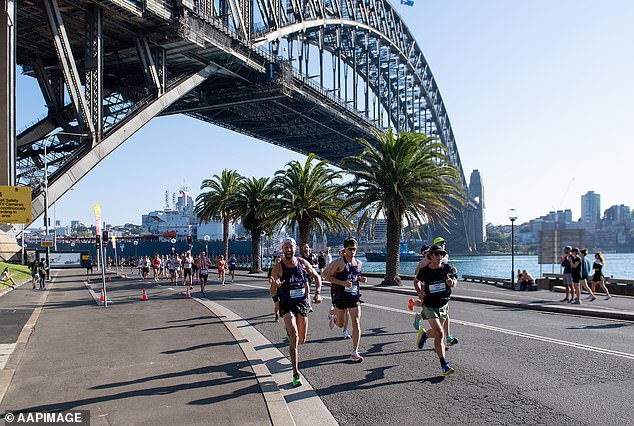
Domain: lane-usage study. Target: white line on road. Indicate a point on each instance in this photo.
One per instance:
(500, 330)
(6, 349)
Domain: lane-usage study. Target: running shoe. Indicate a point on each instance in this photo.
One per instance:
(571, 300)
(576, 302)
(593, 298)
(297, 380)
(422, 337)
(565, 299)
(590, 297)
(416, 321)
(356, 357)
(452, 340)
(447, 369)
(608, 297)
(331, 320)
(346, 335)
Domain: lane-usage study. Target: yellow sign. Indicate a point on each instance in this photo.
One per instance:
(15, 204)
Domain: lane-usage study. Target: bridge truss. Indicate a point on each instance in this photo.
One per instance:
(310, 75)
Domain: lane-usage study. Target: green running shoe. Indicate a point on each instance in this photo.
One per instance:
(447, 370)
(417, 319)
(422, 337)
(452, 340)
(297, 380)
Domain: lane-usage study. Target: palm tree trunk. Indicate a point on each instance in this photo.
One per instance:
(256, 252)
(392, 255)
(225, 237)
(304, 232)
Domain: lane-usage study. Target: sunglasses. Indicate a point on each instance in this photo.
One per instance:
(436, 254)
(351, 249)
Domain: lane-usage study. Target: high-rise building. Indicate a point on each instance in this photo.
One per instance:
(591, 208)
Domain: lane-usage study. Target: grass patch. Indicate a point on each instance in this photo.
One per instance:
(20, 273)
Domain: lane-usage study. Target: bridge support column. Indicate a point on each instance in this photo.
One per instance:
(69, 68)
(147, 62)
(94, 68)
(321, 57)
(367, 74)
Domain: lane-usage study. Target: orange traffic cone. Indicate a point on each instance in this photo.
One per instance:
(108, 276)
(144, 296)
(188, 295)
(101, 296)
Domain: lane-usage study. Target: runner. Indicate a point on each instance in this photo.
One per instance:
(203, 271)
(178, 266)
(442, 243)
(437, 280)
(233, 264)
(156, 266)
(419, 290)
(145, 267)
(222, 265)
(187, 268)
(88, 268)
(344, 275)
(288, 281)
(170, 267)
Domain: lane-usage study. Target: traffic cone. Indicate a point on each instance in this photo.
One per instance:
(410, 304)
(101, 298)
(188, 294)
(144, 296)
(108, 276)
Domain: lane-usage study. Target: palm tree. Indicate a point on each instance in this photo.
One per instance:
(252, 202)
(404, 178)
(216, 202)
(309, 197)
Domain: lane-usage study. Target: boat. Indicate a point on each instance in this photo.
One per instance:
(407, 255)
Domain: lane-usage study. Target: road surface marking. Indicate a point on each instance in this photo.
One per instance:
(501, 330)
(6, 349)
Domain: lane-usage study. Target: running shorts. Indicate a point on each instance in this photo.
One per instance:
(345, 304)
(567, 279)
(441, 313)
(187, 272)
(301, 308)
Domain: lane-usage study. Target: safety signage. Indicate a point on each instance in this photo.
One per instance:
(15, 204)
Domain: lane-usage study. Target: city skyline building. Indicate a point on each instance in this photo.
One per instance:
(591, 208)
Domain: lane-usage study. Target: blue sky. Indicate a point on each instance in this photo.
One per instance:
(539, 95)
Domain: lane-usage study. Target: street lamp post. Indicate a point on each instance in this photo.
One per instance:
(512, 215)
(136, 243)
(206, 238)
(46, 219)
(173, 241)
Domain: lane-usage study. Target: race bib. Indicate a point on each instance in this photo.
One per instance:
(203, 271)
(298, 292)
(437, 288)
(352, 289)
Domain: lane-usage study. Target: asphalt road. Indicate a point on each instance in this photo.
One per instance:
(513, 366)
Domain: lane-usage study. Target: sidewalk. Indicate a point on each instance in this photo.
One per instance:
(164, 361)
(618, 307)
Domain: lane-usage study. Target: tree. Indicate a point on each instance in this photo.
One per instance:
(216, 202)
(252, 202)
(309, 197)
(403, 178)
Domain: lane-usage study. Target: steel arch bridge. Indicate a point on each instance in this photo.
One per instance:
(310, 75)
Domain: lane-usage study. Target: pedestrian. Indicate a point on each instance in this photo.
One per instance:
(567, 275)
(34, 273)
(288, 281)
(526, 280)
(156, 266)
(41, 271)
(203, 271)
(598, 277)
(222, 265)
(233, 265)
(7, 276)
(328, 256)
(586, 267)
(345, 275)
(575, 267)
(88, 268)
(436, 281)
(442, 243)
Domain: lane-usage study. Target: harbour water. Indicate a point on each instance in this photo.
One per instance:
(618, 265)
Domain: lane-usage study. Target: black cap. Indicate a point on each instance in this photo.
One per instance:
(424, 248)
(437, 249)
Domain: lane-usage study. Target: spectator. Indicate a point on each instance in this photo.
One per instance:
(526, 280)
(7, 276)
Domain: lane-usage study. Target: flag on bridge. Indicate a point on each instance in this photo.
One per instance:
(407, 2)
